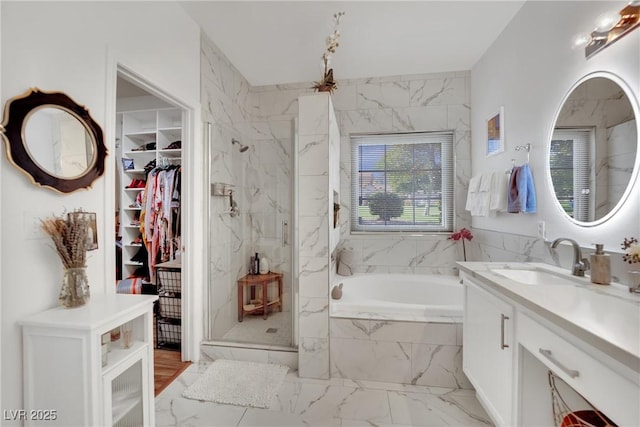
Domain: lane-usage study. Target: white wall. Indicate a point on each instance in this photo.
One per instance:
(73, 47)
(529, 70)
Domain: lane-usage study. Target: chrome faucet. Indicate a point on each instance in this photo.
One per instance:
(580, 264)
(635, 289)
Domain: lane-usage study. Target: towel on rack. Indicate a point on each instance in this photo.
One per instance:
(526, 181)
(513, 202)
(498, 202)
(522, 193)
(479, 194)
(474, 183)
(483, 197)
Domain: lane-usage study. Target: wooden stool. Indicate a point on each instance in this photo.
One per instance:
(263, 280)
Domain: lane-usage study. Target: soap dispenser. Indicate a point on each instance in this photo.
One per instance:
(600, 266)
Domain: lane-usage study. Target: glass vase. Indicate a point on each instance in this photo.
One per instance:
(75, 288)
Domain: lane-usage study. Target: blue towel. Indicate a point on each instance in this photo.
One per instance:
(522, 193)
(525, 185)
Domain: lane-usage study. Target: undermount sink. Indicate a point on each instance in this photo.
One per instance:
(533, 276)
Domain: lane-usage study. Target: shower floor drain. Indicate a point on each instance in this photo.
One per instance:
(272, 330)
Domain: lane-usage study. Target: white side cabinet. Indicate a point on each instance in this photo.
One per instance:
(65, 381)
(488, 350)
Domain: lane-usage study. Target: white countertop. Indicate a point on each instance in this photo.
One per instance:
(99, 312)
(607, 317)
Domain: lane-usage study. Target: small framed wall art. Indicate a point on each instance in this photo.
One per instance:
(92, 227)
(495, 133)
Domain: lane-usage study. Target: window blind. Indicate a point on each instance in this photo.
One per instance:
(570, 166)
(402, 182)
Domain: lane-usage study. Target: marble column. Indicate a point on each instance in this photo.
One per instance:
(317, 127)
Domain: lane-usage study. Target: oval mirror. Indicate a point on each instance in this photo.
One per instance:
(592, 158)
(58, 142)
(53, 140)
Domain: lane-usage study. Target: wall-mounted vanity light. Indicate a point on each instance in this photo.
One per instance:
(610, 27)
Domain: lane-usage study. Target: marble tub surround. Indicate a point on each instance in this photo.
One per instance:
(333, 402)
(606, 317)
(398, 352)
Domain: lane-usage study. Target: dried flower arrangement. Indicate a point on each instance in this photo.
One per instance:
(632, 248)
(327, 84)
(463, 234)
(69, 236)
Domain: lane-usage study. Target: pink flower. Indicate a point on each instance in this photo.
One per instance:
(462, 234)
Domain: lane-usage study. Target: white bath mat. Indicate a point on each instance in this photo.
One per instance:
(238, 383)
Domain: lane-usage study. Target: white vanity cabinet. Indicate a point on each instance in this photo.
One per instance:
(613, 388)
(488, 350)
(66, 382)
(517, 330)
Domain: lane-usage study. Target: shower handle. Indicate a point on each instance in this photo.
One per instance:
(285, 232)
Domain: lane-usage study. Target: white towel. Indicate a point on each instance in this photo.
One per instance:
(498, 192)
(483, 196)
(474, 183)
(485, 182)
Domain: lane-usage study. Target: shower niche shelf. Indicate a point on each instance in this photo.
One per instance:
(221, 189)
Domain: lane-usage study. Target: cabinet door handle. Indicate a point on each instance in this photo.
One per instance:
(547, 353)
(502, 319)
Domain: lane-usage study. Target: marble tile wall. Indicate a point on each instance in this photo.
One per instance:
(425, 102)
(620, 159)
(430, 102)
(495, 246)
(224, 96)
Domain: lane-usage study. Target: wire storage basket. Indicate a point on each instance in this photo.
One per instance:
(169, 281)
(168, 335)
(573, 410)
(169, 308)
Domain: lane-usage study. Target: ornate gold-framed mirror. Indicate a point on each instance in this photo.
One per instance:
(53, 140)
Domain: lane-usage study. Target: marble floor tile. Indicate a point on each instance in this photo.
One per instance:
(418, 409)
(253, 329)
(335, 402)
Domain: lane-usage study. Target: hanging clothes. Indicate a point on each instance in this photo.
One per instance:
(159, 218)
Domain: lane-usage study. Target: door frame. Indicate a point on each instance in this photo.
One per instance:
(191, 333)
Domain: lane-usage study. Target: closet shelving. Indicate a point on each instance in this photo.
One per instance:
(147, 135)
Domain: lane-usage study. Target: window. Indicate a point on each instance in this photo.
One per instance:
(402, 182)
(570, 167)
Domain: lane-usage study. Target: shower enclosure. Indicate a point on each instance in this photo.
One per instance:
(250, 210)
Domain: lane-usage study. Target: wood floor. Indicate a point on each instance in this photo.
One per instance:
(167, 367)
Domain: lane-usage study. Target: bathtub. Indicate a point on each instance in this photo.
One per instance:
(408, 297)
(397, 328)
